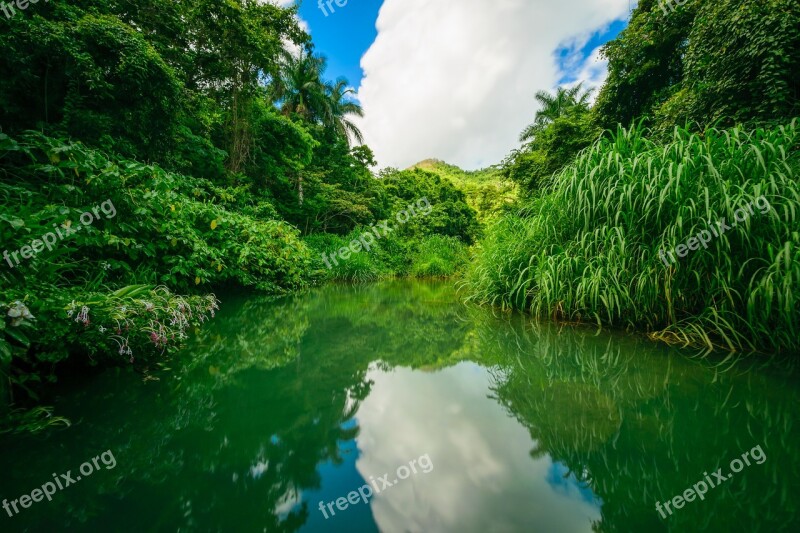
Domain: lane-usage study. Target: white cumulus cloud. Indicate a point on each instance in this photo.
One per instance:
(455, 79)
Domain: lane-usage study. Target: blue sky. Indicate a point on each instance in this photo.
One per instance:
(455, 79)
(344, 35)
(569, 59)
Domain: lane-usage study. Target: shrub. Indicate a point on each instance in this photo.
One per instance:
(438, 256)
(359, 267)
(170, 229)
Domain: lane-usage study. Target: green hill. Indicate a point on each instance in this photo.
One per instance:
(488, 192)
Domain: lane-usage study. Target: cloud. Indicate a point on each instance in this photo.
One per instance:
(592, 73)
(455, 79)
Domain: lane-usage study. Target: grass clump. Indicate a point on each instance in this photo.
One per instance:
(587, 247)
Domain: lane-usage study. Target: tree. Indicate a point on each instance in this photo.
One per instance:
(554, 106)
(562, 128)
(339, 107)
(706, 63)
(299, 88)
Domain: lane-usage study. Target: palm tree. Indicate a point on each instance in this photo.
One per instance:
(300, 90)
(553, 106)
(299, 87)
(340, 107)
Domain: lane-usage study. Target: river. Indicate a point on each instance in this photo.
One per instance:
(394, 407)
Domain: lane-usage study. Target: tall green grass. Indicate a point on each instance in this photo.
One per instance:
(587, 248)
(419, 256)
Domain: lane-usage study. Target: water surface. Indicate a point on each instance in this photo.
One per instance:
(282, 404)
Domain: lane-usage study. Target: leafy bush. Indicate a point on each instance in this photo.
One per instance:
(438, 256)
(359, 267)
(169, 229)
(450, 214)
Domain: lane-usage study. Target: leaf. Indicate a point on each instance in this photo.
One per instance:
(5, 352)
(131, 291)
(18, 336)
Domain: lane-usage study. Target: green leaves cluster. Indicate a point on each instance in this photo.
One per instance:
(708, 62)
(168, 228)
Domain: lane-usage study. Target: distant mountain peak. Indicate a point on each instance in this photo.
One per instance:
(431, 164)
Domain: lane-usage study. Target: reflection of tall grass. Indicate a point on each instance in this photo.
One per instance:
(639, 423)
(588, 247)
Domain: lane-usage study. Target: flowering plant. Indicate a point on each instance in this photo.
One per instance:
(137, 317)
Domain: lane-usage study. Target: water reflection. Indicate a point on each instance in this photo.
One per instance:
(483, 478)
(281, 404)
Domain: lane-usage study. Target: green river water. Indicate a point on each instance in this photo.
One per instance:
(280, 410)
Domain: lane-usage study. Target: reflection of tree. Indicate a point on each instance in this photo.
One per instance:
(640, 424)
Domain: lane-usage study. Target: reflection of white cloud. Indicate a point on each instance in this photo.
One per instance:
(287, 503)
(483, 478)
(258, 469)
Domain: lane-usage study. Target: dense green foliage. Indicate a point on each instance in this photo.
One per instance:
(707, 62)
(209, 130)
(487, 191)
(588, 247)
(200, 88)
(431, 226)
